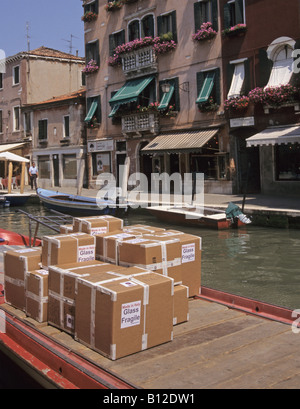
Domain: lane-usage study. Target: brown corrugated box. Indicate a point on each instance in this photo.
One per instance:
(16, 264)
(121, 316)
(97, 224)
(190, 255)
(181, 304)
(67, 248)
(66, 228)
(142, 229)
(162, 255)
(36, 295)
(62, 284)
(107, 244)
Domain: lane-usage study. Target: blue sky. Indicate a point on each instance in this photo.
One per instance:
(51, 22)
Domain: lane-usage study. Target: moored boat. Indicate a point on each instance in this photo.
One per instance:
(208, 217)
(78, 205)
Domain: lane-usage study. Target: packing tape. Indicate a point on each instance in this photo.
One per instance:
(14, 281)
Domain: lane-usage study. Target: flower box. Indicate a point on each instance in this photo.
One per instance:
(206, 32)
(235, 30)
(89, 16)
(90, 67)
(274, 96)
(113, 5)
(237, 103)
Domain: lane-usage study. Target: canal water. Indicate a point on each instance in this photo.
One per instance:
(262, 263)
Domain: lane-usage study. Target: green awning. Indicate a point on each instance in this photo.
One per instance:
(164, 103)
(91, 112)
(130, 91)
(114, 110)
(207, 88)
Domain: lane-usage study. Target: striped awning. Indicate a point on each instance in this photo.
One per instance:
(189, 141)
(276, 135)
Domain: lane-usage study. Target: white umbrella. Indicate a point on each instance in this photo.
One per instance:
(12, 157)
(9, 156)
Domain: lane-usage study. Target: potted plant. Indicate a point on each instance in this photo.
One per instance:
(237, 103)
(90, 67)
(113, 5)
(89, 16)
(209, 106)
(235, 30)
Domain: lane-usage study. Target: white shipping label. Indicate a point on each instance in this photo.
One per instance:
(98, 230)
(86, 253)
(188, 253)
(131, 314)
(129, 284)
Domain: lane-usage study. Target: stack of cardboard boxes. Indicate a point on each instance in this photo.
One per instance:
(116, 289)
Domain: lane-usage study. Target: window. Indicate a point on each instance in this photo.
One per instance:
(91, 7)
(206, 11)
(66, 126)
(281, 56)
(170, 98)
(1, 80)
(92, 52)
(234, 13)
(208, 87)
(166, 24)
(115, 40)
(238, 78)
(1, 122)
(16, 75)
(287, 161)
(44, 167)
(16, 119)
(70, 166)
(27, 123)
(147, 26)
(134, 30)
(43, 129)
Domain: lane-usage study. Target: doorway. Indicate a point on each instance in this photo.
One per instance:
(56, 170)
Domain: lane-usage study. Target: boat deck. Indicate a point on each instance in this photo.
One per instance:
(218, 347)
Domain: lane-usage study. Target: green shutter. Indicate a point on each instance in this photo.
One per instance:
(91, 112)
(214, 6)
(207, 87)
(247, 82)
(174, 26)
(165, 100)
(159, 25)
(217, 83)
(239, 11)
(177, 96)
(197, 16)
(265, 68)
(227, 17)
(97, 52)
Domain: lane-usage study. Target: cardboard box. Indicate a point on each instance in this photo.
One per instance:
(97, 224)
(62, 290)
(124, 315)
(181, 304)
(16, 264)
(190, 249)
(107, 245)
(36, 295)
(161, 255)
(142, 228)
(66, 228)
(67, 248)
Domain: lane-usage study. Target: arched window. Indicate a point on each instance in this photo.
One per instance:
(280, 52)
(134, 30)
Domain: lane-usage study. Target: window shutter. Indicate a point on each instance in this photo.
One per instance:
(239, 11)
(197, 15)
(96, 6)
(177, 96)
(247, 82)
(97, 53)
(200, 81)
(112, 44)
(159, 25)
(99, 110)
(217, 86)
(174, 26)
(265, 68)
(214, 6)
(227, 18)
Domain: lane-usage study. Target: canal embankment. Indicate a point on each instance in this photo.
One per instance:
(264, 210)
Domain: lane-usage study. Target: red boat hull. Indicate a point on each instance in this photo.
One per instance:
(15, 239)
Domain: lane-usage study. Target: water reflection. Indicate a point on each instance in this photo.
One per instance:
(261, 263)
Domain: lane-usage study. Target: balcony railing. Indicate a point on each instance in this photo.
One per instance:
(142, 60)
(140, 123)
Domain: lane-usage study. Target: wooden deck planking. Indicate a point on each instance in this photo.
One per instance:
(217, 348)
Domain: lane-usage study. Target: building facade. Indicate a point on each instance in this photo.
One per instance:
(155, 89)
(28, 78)
(261, 85)
(58, 139)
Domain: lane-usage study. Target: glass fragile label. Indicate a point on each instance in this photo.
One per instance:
(131, 314)
(86, 253)
(188, 253)
(98, 230)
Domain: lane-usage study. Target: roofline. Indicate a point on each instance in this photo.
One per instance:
(25, 54)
